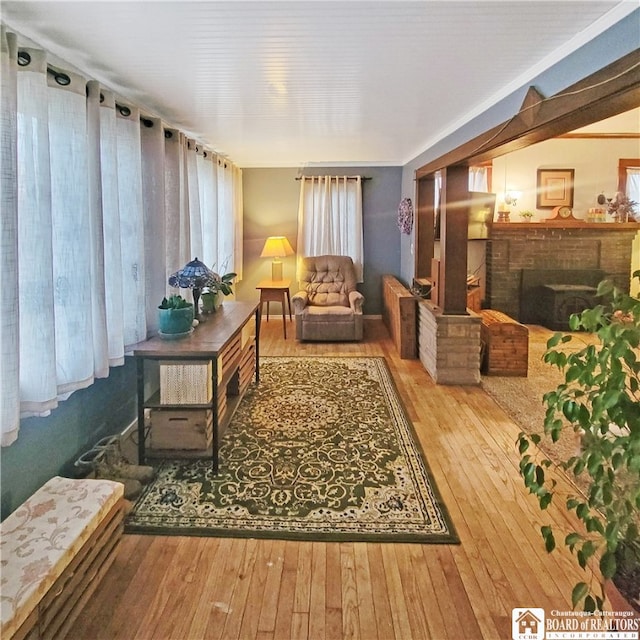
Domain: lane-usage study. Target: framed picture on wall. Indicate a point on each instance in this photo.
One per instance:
(554, 188)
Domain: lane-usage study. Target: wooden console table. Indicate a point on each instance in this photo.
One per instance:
(222, 341)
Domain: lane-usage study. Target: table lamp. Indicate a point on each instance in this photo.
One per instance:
(276, 247)
(195, 275)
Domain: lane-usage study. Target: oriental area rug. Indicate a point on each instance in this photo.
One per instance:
(320, 449)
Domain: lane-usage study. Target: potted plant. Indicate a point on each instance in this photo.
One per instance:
(215, 289)
(599, 400)
(175, 316)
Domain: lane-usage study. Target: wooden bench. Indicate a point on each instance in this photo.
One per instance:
(505, 343)
(54, 550)
(399, 315)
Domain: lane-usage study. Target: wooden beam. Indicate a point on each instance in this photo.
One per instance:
(424, 232)
(608, 92)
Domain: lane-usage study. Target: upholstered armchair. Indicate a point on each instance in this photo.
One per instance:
(328, 307)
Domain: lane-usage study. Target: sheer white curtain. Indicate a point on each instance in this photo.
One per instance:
(79, 234)
(56, 345)
(633, 188)
(229, 217)
(96, 227)
(195, 210)
(129, 158)
(207, 164)
(114, 289)
(478, 179)
(97, 211)
(9, 326)
(238, 217)
(221, 213)
(153, 192)
(330, 218)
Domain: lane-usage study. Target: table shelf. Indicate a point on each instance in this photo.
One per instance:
(223, 341)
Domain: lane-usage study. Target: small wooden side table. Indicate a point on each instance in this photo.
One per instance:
(276, 291)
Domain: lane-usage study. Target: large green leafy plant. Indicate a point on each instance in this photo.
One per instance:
(599, 401)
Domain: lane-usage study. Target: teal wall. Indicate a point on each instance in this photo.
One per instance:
(271, 208)
(49, 446)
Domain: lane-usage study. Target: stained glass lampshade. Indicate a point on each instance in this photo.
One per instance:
(195, 275)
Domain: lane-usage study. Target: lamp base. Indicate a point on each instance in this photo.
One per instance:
(276, 270)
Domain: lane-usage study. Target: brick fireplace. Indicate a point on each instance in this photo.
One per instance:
(572, 256)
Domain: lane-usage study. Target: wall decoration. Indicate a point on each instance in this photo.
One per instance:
(554, 188)
(405, 216)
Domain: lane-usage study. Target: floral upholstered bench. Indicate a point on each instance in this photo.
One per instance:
(54, 549)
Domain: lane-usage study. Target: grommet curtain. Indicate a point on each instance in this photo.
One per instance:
(330, 219)
(99, 207)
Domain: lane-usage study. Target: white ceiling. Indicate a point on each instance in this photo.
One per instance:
(307, 82)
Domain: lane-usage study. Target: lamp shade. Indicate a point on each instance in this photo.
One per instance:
(276, 247)
(194, 275)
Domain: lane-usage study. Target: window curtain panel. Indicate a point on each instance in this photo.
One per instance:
(177, 215)
(229, 218)
(238, 216)
(633, 189)
(9, 326)
(79, 234)
(207, 165)
(56, 344)
(195, 210)
(114, 289)
(478, 179)
(129, 158)
(221, 210)
(330, 219)
(96, 230)
(153, 198)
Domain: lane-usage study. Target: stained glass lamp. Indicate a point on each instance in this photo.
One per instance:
(195, 275)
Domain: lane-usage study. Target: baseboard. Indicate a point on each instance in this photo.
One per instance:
(372, 317)
(129, 440)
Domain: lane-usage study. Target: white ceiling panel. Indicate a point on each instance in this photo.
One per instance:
(308, 82)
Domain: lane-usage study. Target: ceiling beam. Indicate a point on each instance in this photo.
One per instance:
(605, 93)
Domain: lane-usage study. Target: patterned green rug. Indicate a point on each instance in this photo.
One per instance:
(320, 449)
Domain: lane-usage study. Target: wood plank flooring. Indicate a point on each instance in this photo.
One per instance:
(184, 588)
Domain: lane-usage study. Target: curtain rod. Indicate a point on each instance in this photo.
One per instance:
(347, 177)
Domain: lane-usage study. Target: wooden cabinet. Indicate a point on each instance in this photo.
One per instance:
(203, 378)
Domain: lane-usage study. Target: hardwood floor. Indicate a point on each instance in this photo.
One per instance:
(183, 588)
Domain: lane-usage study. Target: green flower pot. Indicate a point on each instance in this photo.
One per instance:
(174, 321)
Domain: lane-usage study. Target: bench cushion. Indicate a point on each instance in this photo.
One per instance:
(40, 538)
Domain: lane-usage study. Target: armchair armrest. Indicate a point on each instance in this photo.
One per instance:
(356, 300)
(299, 301)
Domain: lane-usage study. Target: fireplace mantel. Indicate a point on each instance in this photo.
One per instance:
(566, 245)
(565, 224)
